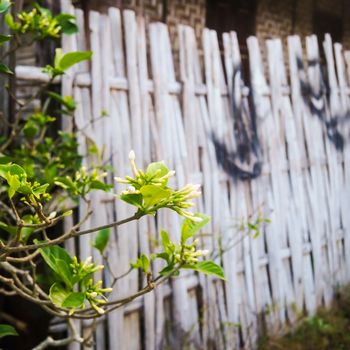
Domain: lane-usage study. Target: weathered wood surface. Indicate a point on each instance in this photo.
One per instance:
(278, 149)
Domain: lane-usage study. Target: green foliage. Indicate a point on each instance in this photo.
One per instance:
(207, 267)
(72, 274)
(4, 5)
(328, 329)
(101, 240)
(142, 263)
(183, 255)
(6, 330)
(17, 182)
(83, 182)
(190, 227)
(64, 61)
(253, 226)
(59, 261)
(40, 23)
(4, 39)
(5, 69)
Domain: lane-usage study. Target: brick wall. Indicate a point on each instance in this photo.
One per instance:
(172, 12)
(190, 12)
(276, 18)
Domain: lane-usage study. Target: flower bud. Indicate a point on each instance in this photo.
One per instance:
(132, 155)
(99, 310)
(120, 180)
(195, 242)
(52, 215)
(195, 218)
(88, 260)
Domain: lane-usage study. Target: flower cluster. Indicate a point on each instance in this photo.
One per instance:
(149, 190)
(83, 182)
(94, 294)
(188, 254)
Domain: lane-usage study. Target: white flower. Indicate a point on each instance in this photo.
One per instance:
(131, 189)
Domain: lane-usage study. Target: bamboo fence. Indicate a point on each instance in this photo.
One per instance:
(275, 148)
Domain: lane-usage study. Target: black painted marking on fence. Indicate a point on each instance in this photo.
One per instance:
(248, 149)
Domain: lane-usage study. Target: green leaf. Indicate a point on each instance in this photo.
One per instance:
(190, 228)
(4, 5)
(142, 262)
(6, 330)
(145, 263)
(165, 239)
(4, 160)
(132, 198)
(14, 184)
(40, 190)
(99, 185)
(8, 228)
(26, 232)
(101, 240)
(59, 261)
(4, 38)
(67, 23)
(163, 255)
(10, 21)
(52, 71)
(13, 169)
(13, 174)
(67, 101)
(153, 195)
(30, 129)
(67, 213)
(50, 173)
(169, 247)
(167, 271)
(74, 300)
(25, 189)
(43, 10)
(64, 270)
(157, 169)
(5, 69)
(58, 56)
(66, 183)
(58, 294)
(207, 267)
(65, 61)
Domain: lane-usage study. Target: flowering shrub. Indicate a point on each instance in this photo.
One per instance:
(41, 176)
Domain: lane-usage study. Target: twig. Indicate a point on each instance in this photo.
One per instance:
(49, 341)
(70, 234)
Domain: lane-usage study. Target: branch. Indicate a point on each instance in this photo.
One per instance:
(49, 341)
(27, 258)
(70, 234)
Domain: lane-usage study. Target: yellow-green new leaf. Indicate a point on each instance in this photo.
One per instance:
(208, 268)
